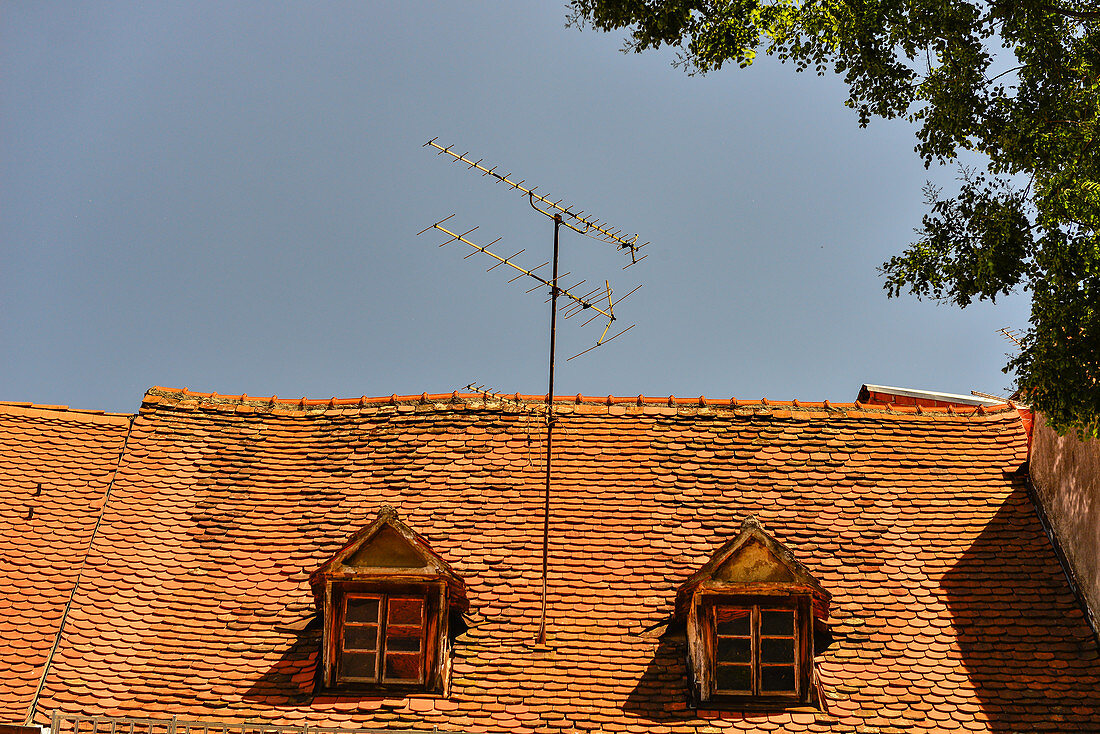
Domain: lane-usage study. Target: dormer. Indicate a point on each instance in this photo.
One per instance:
(750, 614)
(386, 599)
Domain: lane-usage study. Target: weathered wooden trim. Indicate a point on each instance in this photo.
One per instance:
(699, 669)
(19, 729)
(434, 643)
(758, 588)
(328, 641)
(805, 660)
(800, 579)
(435, 582)
(751, 530)
(702, 650)
(434, 564)
(439, 661)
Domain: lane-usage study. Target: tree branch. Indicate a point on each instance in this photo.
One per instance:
(990, 81)
(1080, 14)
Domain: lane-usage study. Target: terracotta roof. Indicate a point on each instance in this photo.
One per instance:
(949, 610)
(55, 467)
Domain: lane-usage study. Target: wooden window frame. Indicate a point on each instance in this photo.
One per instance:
(801, 605)
(381, 650)
(432, 631)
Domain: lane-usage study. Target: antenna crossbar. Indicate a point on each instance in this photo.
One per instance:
(581, 302)
(603, 231)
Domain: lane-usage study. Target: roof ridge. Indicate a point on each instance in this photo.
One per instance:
(12, 407)
(185, 398)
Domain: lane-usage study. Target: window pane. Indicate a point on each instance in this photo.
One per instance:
(406, 611)
(734, 678)
(402, 667)
(361, 609)
(777, 651)
(777, 622)
(775, 678)
(404, 630)
(734, 649)
(359, 665)
(402, 644)
(733, 621)
(361, 638)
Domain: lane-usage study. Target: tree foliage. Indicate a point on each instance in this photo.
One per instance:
(1016, 82)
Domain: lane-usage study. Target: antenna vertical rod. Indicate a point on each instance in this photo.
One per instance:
(549, 433)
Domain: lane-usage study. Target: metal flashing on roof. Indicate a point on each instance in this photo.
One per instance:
(945, 397)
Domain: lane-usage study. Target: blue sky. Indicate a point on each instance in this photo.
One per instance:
(225, 197)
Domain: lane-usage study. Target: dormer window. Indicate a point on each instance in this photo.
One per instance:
(750, 613)
(382, 640)
(757, 647)
(387, 598)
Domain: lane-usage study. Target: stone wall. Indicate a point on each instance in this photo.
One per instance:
(1065, 474)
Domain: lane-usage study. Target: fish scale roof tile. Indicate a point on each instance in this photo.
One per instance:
(55, 467)
(917, 521)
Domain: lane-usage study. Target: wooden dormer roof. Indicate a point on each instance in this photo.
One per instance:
(389, 549)
(753, 562)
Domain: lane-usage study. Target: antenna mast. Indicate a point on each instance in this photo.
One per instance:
(585, 225)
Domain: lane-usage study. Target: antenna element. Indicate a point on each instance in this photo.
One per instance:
(576, 221)
(1012, 335)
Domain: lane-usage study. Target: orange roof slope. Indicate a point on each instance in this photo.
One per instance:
(55, 467)
(949, 609)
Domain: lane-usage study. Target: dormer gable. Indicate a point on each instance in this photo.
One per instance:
(387, 547)
(750, 613)
(387, 597)
(753, 562)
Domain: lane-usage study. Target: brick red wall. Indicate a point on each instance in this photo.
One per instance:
(1065, 474)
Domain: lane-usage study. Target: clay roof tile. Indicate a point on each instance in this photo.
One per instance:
(198, 579)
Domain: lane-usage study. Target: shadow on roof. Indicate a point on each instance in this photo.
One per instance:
(293, 677)
(1023, 639)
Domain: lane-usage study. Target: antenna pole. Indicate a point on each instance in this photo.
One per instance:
(549, 433)
(585, 225)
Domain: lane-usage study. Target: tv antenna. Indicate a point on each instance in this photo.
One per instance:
(576, 221)
(1013, 335)
(488, 393)
(527, 409)
(600, 300)
(991, 396)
